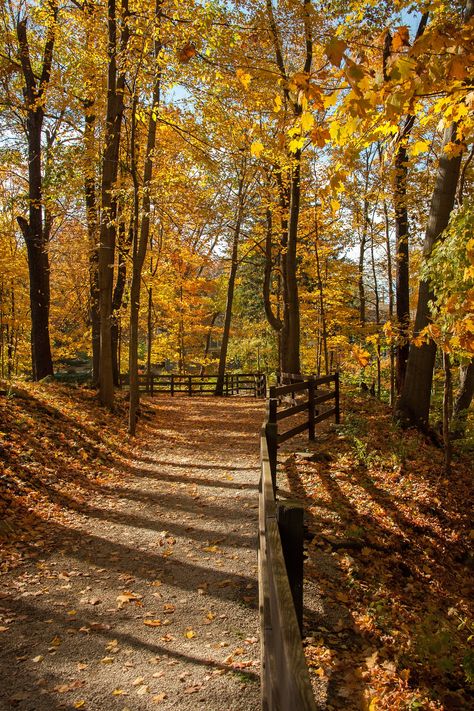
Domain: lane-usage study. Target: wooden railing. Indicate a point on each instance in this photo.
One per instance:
(305, 396)
(172, 383)
(285, 679)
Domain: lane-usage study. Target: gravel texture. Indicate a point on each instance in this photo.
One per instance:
(148, 598)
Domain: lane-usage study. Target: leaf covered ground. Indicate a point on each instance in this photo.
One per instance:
(129, 568)
(389, 621)
(56, 447)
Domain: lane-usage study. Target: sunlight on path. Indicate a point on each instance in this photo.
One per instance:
(150, 600)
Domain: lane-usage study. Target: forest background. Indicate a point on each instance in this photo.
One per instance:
(283, 187)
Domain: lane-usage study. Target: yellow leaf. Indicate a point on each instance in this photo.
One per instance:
(118, 692)
(296, 144)
(189, 634)
(256, 149)
(79, 704)
(335, 205)
(361, 356)
(419, 147)
(278, 104)
(307, 121)
(373, 704)
(152, 623)
(243, 78)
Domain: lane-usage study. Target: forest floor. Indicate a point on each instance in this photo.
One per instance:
(389, 569)
(129, 568)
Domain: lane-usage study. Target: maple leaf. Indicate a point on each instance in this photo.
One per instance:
(256, 149)
(186, 52)
(244, 78)
(335, 51)
(401, 38)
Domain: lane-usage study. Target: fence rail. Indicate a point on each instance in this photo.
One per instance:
(285, 680)
(304, 396)
(173, 383)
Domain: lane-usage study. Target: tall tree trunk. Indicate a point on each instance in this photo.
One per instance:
(463, 398)
(230, 290)
(322, 309)
(390, 299)
(90, 192)
(402, 264)
(402, 241)
(414, 402)
(292, 356)
(149, 336)
(117, 298)
(447, 408)
(115, 108)
(141, 242)
(290, 333)
(33, 229)
(377, 309)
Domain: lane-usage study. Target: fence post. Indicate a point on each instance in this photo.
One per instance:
(272, 436)
(238, 383)
(190, 386)
(290, 524)
(311, 413)
(337, 404)
(172, 384)
(152, 378)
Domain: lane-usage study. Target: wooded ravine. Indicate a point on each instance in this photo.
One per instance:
(210, 198)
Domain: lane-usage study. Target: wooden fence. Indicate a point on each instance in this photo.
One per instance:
(285, 679)
(172, 383)
(307, 397)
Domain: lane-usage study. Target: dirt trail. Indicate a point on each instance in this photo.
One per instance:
(149, 597)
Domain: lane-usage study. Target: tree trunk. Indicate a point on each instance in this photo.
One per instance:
(414, 403)
(402, 264)
(230, 292)
(92, 231)
(141, 243)
(292, 355)
(390, 300)
(323, 347)
(119, 289)
(463, 398)
(34, 232)
(447, 408)
(115, 108)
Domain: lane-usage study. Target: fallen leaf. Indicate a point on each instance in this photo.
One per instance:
(158, 698)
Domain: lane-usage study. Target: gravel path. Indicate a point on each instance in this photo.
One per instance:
(149, 597)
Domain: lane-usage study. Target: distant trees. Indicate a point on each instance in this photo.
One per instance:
(274, 161)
